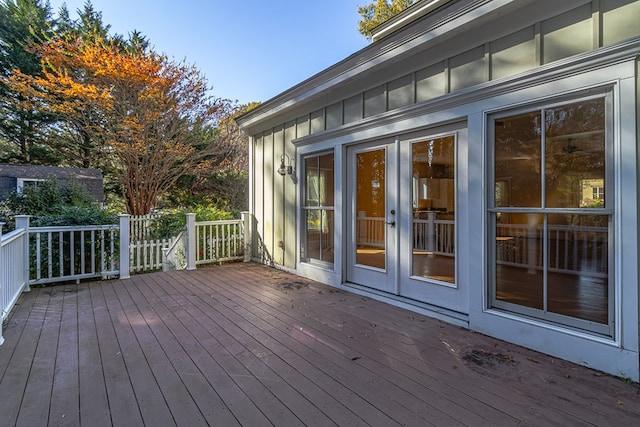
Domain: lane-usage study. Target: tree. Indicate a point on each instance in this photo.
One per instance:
(379, 11)
(225, 182)
(23, 129)
(149, 113)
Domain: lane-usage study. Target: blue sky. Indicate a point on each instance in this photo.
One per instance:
(248, 50)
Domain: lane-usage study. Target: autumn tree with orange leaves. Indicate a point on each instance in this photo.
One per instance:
(151, 116)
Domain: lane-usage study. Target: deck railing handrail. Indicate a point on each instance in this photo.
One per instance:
(13, 269)
(67, 253)
(50, 254)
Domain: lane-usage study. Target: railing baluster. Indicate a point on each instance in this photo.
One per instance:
(38, 262)
(72, 254)
(102, 254)
(49, 255)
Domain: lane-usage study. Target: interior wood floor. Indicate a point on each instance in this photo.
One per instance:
(244, 344)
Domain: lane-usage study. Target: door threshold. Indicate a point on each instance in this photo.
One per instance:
(430, 310)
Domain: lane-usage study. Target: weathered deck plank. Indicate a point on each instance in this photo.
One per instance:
(248, 345)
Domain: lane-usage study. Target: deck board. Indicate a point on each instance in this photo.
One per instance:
(245, 344)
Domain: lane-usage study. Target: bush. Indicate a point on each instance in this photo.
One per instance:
(49, 205)
(76, 215)
(171, 224)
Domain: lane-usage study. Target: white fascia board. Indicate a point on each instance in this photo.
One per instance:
(403, 19)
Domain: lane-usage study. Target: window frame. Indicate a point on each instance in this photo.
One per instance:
(609, 209)
(20, 183)
(304, 209)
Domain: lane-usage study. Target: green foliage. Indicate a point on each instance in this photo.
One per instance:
(50, 204)
(32, 134)
(379, 11)
(211, 213)
(76, 215)
(170, 224)
(22, 23)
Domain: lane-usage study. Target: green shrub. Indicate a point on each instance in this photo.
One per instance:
(50, 205)
(170, 224)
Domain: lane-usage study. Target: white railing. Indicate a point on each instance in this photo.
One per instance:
(146, 255)
(371, 231)
(210, 241)
(434, 236)
(73, 253)
(431, 235)
(572, 249)
(219, 241)
(140, 227)
(174, 257)
(13, 269)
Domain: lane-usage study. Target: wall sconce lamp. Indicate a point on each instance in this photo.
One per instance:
(285, 168)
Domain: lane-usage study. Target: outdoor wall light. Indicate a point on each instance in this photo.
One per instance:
(285, 167)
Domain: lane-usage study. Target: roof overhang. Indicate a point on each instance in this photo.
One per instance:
(414, 12)
(347, 77)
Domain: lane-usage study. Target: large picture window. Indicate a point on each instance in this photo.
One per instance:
(318, 209)
(551, 214)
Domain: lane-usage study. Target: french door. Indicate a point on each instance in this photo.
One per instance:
(372, 193)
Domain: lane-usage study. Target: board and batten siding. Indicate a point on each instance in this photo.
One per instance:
(446, 69)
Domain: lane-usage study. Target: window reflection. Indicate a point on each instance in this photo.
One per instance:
(370, 208)
(517, 160)
(554, 259)
(318, 209)
(575, 154)
(434, 186)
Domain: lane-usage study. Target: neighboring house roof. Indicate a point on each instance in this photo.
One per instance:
(89, 178)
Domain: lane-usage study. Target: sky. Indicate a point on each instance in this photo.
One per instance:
(248, 50)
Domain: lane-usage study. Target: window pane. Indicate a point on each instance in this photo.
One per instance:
(326, 230)
(578, 266)
(518, 160)
(434, 209)
(318, 213)
(575, 155)
(319, 235)
(312, 195)
(326, 180)
(518, 249)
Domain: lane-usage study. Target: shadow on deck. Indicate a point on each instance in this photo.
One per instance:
(244, 344)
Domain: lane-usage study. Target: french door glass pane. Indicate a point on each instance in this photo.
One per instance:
(370, 208)
(518, 249)
(433, 237)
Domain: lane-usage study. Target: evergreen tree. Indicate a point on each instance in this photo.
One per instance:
(379, 11)
(23, 127)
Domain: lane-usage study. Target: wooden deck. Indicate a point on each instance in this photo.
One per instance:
(244, 344)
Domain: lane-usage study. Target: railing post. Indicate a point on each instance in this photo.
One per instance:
(248, 235)
(124, 246)
(2, 284)
(22, 222)
(191, 241)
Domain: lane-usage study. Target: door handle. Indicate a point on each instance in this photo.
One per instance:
(391, 223)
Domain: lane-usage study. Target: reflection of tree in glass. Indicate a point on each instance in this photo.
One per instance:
(370, 182)
(517, 157)
(575, 150)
